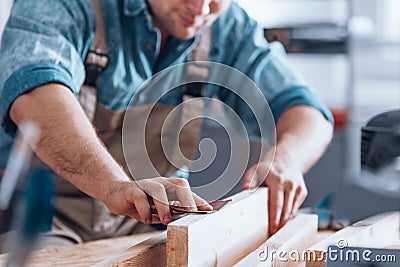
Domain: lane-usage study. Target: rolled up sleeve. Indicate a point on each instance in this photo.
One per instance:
(44, 42)
(267, 65)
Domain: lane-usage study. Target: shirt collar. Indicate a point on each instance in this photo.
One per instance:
(134, 7)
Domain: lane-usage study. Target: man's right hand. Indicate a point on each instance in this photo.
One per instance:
(135, 198)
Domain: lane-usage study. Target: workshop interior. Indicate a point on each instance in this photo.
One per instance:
(349, 52)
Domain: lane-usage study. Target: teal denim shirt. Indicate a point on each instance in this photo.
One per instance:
(47, 40)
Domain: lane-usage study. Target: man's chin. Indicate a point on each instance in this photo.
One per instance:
(186, 35)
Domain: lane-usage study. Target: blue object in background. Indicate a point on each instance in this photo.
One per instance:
(38, 203)
(36, 209)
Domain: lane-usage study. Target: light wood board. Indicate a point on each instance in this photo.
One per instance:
(287, 246)
(222, 238)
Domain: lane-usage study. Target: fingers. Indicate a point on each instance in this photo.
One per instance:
(183, 193)
(136, 202)
(286, 197)
(201, 203)
(276, 198)
(139, 198)
(287, 203)
(162, 190)
(300, 196)
(157, 191)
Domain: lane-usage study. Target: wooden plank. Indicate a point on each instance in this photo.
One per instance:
(150, 252)
(222, 238)
(138, 250)
(375, 232)
(287, 246)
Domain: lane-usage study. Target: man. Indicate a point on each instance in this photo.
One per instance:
(44, 47)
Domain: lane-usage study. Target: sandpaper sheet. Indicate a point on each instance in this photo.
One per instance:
(216, 204)
(178, 210)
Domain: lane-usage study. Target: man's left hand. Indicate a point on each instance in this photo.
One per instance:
(287, 189)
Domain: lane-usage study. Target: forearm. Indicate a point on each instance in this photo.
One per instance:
(68, 142)
(302, 137)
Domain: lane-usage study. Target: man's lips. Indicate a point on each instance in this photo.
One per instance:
(187, 21)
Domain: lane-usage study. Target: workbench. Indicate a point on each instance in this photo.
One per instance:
(218, 240)
(100, 252)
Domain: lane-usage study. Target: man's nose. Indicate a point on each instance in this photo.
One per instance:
(199, 7)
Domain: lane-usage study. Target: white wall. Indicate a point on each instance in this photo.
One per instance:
(331, 82)
(270, 13)
(5, 6)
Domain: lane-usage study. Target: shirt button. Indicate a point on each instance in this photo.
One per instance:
(149, 46)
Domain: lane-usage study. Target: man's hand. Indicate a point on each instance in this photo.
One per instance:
(134, 199)
(302, 136)
(287, 190)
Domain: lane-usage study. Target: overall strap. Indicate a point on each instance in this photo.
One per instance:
(96, 59)
(95, 63)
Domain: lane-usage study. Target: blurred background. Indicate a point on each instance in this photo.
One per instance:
(349, 51)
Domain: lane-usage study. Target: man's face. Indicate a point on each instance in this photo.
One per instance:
(183, 18)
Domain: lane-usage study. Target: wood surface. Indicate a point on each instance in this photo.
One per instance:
(287, 246)
(222, 238)
(379, 231)
(150, 249)
(138, 250)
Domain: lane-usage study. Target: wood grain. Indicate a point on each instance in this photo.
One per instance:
(138, 250)
(222, 238)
